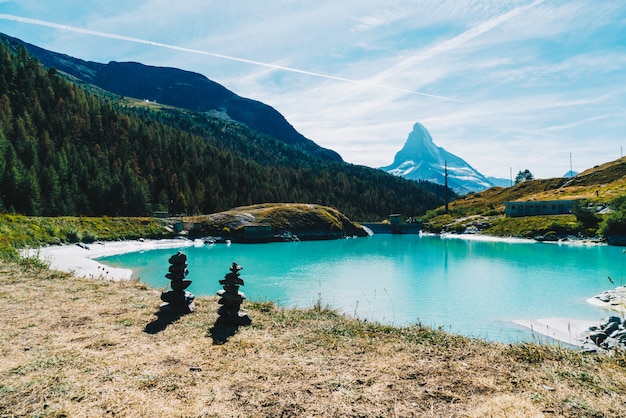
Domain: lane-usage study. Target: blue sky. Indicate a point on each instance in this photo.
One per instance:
(505, 85)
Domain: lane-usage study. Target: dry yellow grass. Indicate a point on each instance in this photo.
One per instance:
(73, 347)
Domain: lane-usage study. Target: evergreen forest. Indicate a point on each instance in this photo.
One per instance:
(68, 149)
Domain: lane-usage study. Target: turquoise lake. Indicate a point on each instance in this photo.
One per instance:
(470, 287)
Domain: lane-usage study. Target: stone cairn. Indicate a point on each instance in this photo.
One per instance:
(178, 300)
(231, 298)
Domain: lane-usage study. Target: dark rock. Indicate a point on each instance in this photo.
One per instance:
(178, 258)
(231, 299)
(233, 317)
(176, 276)
(597, 337)
(611, 319)
(611, 328)
(178, 268)
(177, 310)
(232, 279)
(178, 299)
(239, 296)
(231, 289)
(180, 285)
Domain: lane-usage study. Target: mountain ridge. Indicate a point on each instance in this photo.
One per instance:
(179, 88)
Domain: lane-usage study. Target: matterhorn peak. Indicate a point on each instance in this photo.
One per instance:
(421, 159)
(419, 144)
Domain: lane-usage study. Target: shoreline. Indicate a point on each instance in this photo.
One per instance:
(518, 240)
(614, 300)
(566, 330)
(79, 259)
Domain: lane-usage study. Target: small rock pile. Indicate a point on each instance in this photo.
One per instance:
(609, 335)
(231, 298)
(613, 299)
(178, 300)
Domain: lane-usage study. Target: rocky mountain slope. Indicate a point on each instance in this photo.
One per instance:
(421, 159)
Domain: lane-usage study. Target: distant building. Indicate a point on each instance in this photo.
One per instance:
(538, 207)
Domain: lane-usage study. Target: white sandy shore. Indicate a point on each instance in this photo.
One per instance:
(567, 330)
(515, 240)
(488, 238)
(79, 259)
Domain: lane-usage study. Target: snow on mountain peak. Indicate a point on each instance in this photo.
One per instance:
(421, 159)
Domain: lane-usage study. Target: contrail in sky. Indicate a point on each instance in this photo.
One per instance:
(212, 54)
(458, 40)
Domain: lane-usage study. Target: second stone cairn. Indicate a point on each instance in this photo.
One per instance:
(231, 298)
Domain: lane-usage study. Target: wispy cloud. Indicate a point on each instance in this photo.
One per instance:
(460, 39)
(215, 55)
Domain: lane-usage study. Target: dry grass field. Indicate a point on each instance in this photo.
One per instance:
(74, 347)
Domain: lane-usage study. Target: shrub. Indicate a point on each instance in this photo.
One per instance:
(73, 236)
(614, 223)
(585, 215)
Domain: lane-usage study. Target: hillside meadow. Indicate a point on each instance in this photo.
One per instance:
(598, 187)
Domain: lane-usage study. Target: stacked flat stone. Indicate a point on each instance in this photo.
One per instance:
(231, 298)
(178, 299)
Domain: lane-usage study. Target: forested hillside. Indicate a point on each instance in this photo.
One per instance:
(67, 151)
(178, 88)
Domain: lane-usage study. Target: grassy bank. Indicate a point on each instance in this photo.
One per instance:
(17, 231)
(74, 347)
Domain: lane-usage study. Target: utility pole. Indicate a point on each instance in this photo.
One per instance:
(571, 170)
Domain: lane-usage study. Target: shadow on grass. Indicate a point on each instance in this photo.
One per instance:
(224, 328)
(164, 318)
